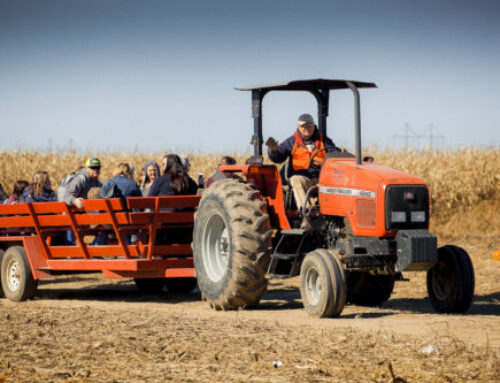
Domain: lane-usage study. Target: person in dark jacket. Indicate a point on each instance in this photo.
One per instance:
(218, 175)
(299, 149)
(123, 179)
(174, 180)
(39, 190)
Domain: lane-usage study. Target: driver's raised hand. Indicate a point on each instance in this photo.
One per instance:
(272, 144)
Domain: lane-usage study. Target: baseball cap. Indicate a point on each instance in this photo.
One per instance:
(93, 162)
(305, 119)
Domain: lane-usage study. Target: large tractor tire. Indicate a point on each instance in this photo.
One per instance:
(450, 282)
(365, 289)
(1, 290)
(322, 284)
(180, 285)
(16, 276)
(150, 285)
(232, 245)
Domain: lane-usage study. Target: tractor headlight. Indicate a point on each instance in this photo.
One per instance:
(398, 216)
(406, 207)
(418, 216)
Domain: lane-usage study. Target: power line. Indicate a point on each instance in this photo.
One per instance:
(411, 135)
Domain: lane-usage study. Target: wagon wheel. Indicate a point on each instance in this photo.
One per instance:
(17, 279)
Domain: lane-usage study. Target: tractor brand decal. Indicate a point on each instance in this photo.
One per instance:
(347, 192)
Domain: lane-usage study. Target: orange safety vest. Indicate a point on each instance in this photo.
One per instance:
(301, 156)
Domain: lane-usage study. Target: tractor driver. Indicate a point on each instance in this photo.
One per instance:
(299, 149)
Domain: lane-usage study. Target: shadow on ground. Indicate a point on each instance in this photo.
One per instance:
(279, 297)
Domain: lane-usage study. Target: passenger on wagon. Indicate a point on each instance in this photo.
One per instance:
(151, 172)
(123, 179)
(298, 149)
(17, 193)
(85, 179)
(40, 189)
(218, 175)
(174, 180)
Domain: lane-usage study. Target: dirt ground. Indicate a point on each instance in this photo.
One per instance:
(91, 329)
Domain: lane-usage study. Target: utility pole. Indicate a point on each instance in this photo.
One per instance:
(431, 136)
(410, 134)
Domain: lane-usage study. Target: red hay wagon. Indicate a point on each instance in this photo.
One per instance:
(161, 253)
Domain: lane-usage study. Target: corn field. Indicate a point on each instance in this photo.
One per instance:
(464, 184)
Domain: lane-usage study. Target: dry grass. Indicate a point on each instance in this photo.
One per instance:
(464, 184)
(67, 345)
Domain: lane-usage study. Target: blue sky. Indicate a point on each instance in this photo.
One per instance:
(158, 76)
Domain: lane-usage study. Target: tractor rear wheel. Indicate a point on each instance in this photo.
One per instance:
(180, 285)
(450, 282)
(322, 284)
(1, 290)
(232, 245)
(150, 285)
(16, 276)
(366, 289)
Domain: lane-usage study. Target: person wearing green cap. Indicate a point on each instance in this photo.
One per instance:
(85, 179)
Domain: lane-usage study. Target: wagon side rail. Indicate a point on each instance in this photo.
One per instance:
(41, 227)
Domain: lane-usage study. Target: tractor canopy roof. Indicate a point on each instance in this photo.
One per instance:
(310, 85)
(320, 89)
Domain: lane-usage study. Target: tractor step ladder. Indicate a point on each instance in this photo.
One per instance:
(286, 264)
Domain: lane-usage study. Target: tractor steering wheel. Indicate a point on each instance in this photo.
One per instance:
(318, 164)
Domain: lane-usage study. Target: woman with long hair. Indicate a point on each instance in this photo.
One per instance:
(174, 180)
(40, 190)
(177, 173)
(151, 171)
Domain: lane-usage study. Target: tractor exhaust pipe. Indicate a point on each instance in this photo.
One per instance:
(357, 121)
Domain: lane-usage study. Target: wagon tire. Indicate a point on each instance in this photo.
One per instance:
(150, 285)
(180, 285)
(365, 289)
(232, 245)
(17, 279)
(450, 282)
(322, 284)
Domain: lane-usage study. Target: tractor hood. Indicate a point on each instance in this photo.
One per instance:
(367, 195)
(367, 176)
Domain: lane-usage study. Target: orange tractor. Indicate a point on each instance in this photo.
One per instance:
(367, 224)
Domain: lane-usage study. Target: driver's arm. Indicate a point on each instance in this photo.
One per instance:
(282, 152)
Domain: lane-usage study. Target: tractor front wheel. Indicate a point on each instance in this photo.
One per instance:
(322, 284)
(450, 282)
(17, 279)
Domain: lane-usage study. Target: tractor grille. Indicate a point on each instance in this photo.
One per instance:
(406, 207)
